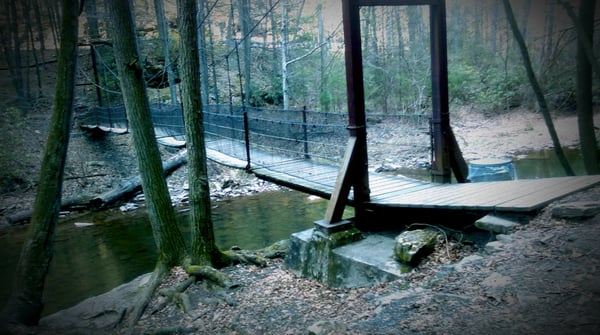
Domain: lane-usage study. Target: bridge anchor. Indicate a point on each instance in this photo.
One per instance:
(328, 228)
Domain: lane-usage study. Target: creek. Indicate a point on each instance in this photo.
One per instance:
(118, 246)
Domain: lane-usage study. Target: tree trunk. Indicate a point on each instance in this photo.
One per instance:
(585, 112)
(91, 13)
(25, 305)
(202, 48)
(163, 31)
(284, 62)
(168, 238)
(536, 88)
(244, 10)
(203, 244)
(324, 97)
(15, 51)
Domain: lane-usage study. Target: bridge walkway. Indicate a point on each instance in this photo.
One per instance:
(303, 150)
(398, 192)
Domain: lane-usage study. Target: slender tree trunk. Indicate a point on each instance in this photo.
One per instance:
(284, 62)
(536, 88)
(201, 31)
(213, 68)
(40, 30)
(168, 238)
(25, 305)
(91, 12)
(324, 97)
(244, 10)
(585, 112)
(13, 29)
(202, 237)
(275, 65)
(163, 31)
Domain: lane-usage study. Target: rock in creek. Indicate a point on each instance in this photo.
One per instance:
(411, 245)
(576, 210)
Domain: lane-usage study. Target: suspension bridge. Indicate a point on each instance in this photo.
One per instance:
(326, 154)
(305, 150)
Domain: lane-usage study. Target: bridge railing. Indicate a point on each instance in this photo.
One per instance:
(261, 136)
(271, 136)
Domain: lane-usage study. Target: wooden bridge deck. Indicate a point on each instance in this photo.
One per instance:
(516, 196)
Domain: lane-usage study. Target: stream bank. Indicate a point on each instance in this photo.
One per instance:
(541, 279)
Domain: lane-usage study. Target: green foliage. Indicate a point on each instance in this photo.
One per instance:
(462, 83)
(500, 89)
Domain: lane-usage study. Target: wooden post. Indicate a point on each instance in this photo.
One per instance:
(440, 166)
(354, 172)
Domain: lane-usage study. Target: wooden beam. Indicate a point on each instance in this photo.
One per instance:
(343, 183)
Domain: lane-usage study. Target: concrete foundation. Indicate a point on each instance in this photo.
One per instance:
(343, 259)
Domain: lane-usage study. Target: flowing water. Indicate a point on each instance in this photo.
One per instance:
(118, 247)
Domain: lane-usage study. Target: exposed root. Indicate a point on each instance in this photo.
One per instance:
(156, 279)
(176, 294)
(275, 250)
(212, 274)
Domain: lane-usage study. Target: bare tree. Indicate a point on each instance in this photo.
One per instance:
(585, 111)
(163, 31)
(204, 250)
(167, 237)
(541, 100)
(25, 304)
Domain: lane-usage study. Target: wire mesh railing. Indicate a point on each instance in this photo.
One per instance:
(267, 137)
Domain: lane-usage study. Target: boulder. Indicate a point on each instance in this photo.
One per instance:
(495, 224)
(411, 245)
(576, 210)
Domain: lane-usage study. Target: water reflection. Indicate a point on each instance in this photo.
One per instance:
(545, 164)
(119, 246)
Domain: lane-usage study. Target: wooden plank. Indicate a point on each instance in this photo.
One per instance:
(393, 186)
(295, 183)
(394, 196)
(485, 199)
(460, 194)
(287, 178)
(544, 195)
(500, 192)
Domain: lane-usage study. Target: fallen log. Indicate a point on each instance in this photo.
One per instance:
(126, 189)
(131, 186)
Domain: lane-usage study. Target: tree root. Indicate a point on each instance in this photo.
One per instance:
(275, 250)
(212, 274)
(177, 293)
(142, 302)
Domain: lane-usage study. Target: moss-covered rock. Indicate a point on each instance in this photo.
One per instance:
(411, 245)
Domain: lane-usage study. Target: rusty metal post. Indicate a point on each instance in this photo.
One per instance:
(440, 166)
